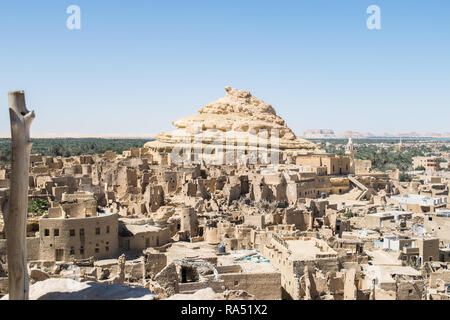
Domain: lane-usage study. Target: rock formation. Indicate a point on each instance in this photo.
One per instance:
(252, 124)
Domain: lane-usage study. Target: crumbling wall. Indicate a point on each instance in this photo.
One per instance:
(168, 280)
(32, 249)
(264, 286)
(154, 262)
(410, 290)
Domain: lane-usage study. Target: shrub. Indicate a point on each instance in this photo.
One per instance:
(38, 206)
(349, 214)
(404, 177)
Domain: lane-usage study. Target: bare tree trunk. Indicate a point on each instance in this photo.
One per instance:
(16, 217)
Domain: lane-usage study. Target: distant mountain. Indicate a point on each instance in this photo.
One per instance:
(328, 133)
(352, 134)
(319, 133)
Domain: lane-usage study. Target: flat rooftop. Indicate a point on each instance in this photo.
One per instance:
(308, 249)
(98, 214)
(180, 250)
(393, 213)
(250, 261)
(385, 273)
(384, 258)
(136, 228)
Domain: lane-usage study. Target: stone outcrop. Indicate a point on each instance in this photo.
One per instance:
(38, 275)
(238, 114)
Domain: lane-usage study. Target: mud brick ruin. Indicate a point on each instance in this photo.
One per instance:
(249, 212)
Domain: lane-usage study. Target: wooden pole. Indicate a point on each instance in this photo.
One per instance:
(16, 215)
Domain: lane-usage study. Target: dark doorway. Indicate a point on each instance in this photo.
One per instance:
(59, 254)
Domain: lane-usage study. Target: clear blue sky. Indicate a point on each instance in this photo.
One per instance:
(135, 66)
